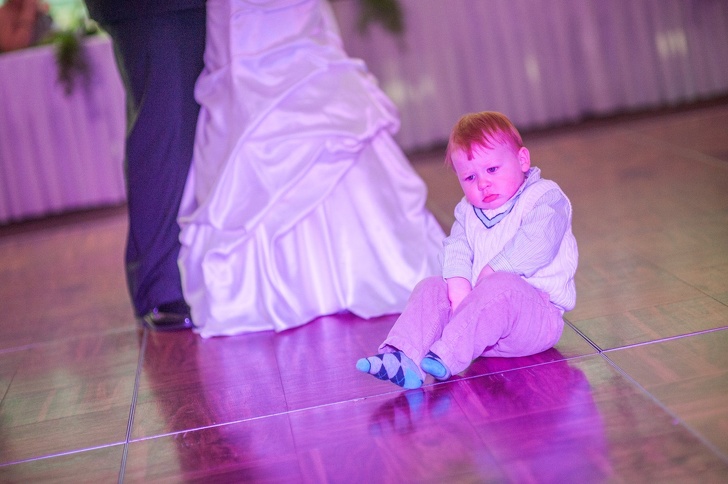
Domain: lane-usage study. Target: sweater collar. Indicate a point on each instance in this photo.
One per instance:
(492, 217)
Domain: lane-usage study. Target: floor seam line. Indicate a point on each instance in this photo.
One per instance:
(722, 456)
(132, 408)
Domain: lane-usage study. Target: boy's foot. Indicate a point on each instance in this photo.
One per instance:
(395, 367)
(433, 365)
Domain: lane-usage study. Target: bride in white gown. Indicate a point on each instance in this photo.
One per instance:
(298, 203)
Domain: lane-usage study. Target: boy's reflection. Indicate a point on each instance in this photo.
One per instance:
(540, 422)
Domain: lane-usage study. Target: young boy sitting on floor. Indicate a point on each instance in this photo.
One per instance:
(508, 266)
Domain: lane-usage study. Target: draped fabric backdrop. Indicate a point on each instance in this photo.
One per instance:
(541, 62)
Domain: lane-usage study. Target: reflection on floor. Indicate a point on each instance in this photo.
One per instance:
(636, 390)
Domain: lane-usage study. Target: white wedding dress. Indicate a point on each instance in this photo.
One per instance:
(298, 203)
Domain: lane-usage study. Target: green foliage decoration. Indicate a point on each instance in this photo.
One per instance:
(386, 12)
(70, 54)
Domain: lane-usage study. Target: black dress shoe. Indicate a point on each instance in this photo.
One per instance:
(172, 316)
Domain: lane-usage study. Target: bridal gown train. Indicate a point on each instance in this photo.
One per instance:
(298, 203)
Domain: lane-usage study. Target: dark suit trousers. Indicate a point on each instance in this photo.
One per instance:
(160, 58)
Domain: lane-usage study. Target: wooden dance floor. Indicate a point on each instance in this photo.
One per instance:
(635, 391)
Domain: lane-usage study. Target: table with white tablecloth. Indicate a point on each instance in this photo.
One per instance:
(541, 62)
(60, 151)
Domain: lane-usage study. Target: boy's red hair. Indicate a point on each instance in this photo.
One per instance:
(484, 129)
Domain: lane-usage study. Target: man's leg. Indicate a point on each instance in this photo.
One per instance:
(161, 58)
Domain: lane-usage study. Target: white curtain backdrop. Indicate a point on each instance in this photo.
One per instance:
(541, 62)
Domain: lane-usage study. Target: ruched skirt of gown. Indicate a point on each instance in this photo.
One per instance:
(298, 203)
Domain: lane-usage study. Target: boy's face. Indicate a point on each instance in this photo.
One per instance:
(493, 176)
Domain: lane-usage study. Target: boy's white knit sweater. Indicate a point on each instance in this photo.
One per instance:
(545, 258)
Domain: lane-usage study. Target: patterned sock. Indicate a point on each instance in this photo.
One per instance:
(395, 367)
(433, 365)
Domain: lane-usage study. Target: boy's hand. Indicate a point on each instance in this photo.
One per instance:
(485, 272)
(457, 289)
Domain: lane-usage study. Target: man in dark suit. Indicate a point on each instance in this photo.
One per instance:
(159, 46)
